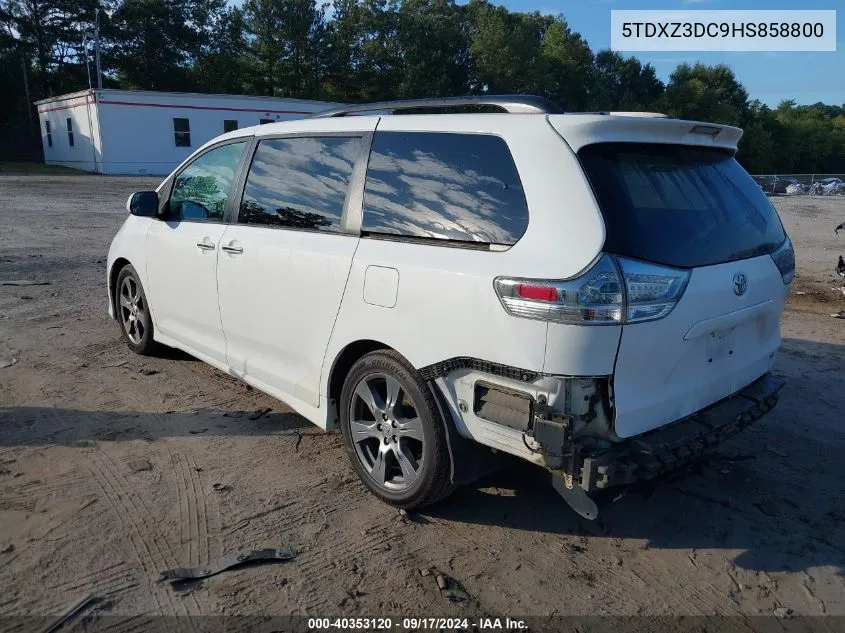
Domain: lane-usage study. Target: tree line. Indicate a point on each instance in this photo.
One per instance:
(370, 50)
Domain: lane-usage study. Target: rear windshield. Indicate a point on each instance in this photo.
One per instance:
(679, 205)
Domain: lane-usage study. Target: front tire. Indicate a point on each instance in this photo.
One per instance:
(133, 312)
(393, 432)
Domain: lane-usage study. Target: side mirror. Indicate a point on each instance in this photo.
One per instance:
(143, 204)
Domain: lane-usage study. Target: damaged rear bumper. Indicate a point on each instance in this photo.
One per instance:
(651, 454)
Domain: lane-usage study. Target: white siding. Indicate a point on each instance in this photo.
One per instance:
(138, 134)
(131, 132)
(85, 152)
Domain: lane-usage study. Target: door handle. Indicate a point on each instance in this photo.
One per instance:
(206, 246)
(236, 250)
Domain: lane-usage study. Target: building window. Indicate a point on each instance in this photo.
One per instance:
(70, 132)
(230, 125)
(49, 134)
(265, 121)
(182, 132)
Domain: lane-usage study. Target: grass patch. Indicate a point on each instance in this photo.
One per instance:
(21, 167)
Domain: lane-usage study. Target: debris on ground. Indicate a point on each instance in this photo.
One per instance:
(73, 610)
(220, 487)
(451, 588)
(227, 562)
(24, 282)
(137, 465)
(260, 413)
(197, 431)
(146, 371)
(783, 612)
(839, 315)
(7, 362)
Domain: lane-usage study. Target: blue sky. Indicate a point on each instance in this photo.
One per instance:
(768, 76)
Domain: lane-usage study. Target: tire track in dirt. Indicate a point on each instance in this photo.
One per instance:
(212, 516)
(152, 553)
(191, 498)
(109, 582)
(186, 541)
(94, 352)
(64, 517)
(342, 548)
(193, 510)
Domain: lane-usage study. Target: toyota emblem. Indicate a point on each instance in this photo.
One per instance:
(740, 284)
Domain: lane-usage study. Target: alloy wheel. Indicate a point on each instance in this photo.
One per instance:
(386, 431)
(133, 310)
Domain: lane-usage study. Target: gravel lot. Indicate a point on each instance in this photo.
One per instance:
(115, 467)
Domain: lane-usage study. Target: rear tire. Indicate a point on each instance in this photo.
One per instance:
(393, 432)
(133, 312)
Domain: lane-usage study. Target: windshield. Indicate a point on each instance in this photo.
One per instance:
(679, 205)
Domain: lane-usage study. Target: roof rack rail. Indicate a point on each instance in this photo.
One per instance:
(515, 104)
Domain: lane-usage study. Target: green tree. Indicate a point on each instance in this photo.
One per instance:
(225, 67)
(566, 66)
(625, 84)
(285, 38)
(343, 51)
(433, 39)
(155, 44)
(505, 48)
(263, 24)
(706, 93)
(303, 34)
(49, 32)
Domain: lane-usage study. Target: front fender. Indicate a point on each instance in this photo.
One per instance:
(127, 247)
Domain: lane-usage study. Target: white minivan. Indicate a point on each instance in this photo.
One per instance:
(599, 294)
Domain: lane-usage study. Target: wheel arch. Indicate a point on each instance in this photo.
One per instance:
(343, 362)
(469, 460)
(119, 264)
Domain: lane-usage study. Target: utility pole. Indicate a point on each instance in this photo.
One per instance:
(26, 92)
(97, 49)
(87, 59)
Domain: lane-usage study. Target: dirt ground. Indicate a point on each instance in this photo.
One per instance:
(114, 468)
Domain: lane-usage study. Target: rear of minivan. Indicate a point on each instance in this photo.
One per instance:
(582, 291)
(696, 267)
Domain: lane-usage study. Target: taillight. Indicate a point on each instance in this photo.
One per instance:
(784, 258)
(614, 291)
(651, 290)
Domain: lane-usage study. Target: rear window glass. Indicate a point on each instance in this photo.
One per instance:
(444, 186)
(679, 205)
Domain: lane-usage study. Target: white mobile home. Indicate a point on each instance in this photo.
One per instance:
(137, 132)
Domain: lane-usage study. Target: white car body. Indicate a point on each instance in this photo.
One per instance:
(294, 307)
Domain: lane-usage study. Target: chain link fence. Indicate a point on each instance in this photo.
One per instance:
(802, 184)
